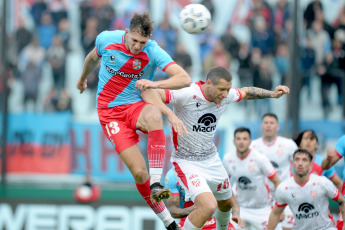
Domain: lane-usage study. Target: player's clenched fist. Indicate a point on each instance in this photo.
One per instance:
(81, 85)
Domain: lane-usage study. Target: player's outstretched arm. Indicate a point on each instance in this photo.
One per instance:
(274, 217)
(173, 204)
(235, 211)
(157, 98)
(254, 93)
(178, 78)
(331, 159)
(90, 64)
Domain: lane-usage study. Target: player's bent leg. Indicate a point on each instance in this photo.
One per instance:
(222, 213)
(206, 205)
(150, 120)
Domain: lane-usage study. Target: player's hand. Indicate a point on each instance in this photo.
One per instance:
(145, 84)
(238, 221)
(177, 124)
(331, 154)
(81, 85)
(280, 90)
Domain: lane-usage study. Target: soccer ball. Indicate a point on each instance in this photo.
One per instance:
(195, 18)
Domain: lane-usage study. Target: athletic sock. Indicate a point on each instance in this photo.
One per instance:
(189, 226)
(155, 153)
(158, 207)
(222, 219)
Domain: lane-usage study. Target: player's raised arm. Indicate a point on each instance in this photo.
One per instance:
(331, 159)
(90, 64)
(178, 78)
(275, 217)
(157, 97)
(254, 93)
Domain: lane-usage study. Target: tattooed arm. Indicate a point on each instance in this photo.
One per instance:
(235, 211)
(173, 204)
(254, 93)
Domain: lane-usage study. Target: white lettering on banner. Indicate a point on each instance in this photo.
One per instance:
(75, 217)
(41, 216)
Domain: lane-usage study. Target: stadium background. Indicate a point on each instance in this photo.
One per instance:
(53, 138)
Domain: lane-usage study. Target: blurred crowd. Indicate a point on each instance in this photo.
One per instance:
(256, 60)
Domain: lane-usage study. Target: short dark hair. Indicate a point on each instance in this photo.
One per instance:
(218, 72)
(269, 115)
(142, 24)
(298, 139)
(303, 151)
(241, 130)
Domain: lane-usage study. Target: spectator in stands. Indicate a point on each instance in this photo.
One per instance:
(319, 16)
(30, 78)
(217, 57)
(263, 79)
(63, 33)
(307, 57)
(182, 58)
(64, 102)
(56, 57)
(262, 36)
(310, 12)
(260, 9)
(37, 10)
(58, 9)
(33, 53)
(281, 61)
(46, 30)
(230, 42)
(89, 35)
(320, 40)
(86, 11)
(105, 14)
(281, 15)
(332, 71)
(23, 36)
(50, 100)
(207, 41)
(166, 34)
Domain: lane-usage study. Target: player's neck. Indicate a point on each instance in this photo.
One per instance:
(205, 91)
(269, 139)
(302, 180)
(243, 155)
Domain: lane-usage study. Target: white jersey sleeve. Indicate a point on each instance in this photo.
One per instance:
(177, 97)
(280, 196)
(233, 96)
(329, 188)
(266, 166)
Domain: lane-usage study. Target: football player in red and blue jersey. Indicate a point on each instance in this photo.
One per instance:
(128, 62)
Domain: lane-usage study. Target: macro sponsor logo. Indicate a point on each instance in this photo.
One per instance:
(245, 183)
(125, 75)
(306, 211)
(205, 123)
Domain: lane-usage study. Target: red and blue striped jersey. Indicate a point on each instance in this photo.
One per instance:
(120, 69)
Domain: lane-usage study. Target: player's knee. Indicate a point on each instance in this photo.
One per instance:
(209, 207)
(140, 175)
(155, 115)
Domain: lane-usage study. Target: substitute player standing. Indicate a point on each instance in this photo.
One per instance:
(250, 168)
(128, 62)
(279, 151)
(307, 195)
(195, 159)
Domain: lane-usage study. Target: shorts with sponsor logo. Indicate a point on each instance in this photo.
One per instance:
(254, 218)
(198, 177)
(119, 124)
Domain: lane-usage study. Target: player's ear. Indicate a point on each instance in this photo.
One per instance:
(127, 31)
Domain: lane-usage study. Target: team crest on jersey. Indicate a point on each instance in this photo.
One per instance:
(136, 64)
(313, 193)
(251, 168)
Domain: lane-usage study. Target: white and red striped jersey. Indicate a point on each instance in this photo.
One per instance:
(200, 117)
(250, 174)
(308, 202)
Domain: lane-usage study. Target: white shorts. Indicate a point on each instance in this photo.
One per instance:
(198, 177)
(254, 218)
